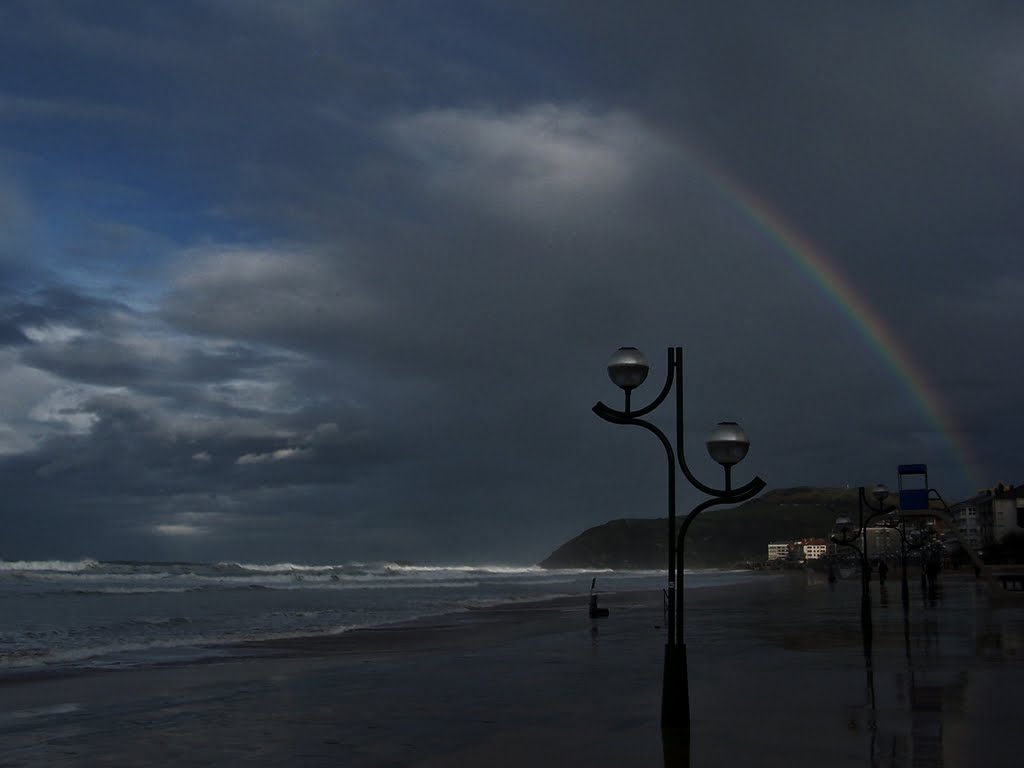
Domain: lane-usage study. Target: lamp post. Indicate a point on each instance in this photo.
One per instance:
(848, 539)
(727, 444)
(896, 522)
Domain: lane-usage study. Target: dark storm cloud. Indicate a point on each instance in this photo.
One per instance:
(10, 333)
(173, 415)
(136, 448)
(429, 226)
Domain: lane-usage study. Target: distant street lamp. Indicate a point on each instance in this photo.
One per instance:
(727, 444)
(894, 521)
(848, 538)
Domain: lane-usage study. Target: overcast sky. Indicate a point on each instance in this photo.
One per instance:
(327, 281)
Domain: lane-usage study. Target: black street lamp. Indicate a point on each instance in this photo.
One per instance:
(727, 444)
(894, 521)
(847, 538)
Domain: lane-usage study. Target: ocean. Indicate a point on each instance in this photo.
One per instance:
(63, 615)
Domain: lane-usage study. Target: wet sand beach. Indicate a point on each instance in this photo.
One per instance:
(776, 667)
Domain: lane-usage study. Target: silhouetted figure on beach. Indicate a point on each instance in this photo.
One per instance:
(595, 612)
(883, 571)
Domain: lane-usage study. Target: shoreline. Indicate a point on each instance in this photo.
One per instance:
(385, 637)
(315, 642)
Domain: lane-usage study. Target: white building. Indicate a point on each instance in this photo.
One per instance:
(967, 520)
(778, 550)
(987, 518)
(1007, 513)
(815, 549)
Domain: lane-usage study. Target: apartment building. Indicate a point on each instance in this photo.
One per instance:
(808, 549)
(967, 519)
(1007, 512)
(815, 549)
(988, 517)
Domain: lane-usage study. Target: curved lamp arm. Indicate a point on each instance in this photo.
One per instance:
(640, 423)
(895, 527)
(878, 513)
(675, 375)
(755, 487)
(739, 494)
(848, 543)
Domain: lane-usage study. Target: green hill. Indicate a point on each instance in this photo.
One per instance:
(717, 538)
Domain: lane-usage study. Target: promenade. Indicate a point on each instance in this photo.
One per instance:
(777, 678)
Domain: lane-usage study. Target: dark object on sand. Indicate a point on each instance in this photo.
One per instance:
(595, 612)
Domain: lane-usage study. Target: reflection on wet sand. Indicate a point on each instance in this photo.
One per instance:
(918, 738)
(930, 688)
(930, 694)
(933, 686)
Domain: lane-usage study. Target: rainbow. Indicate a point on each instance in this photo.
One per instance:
(879, 337)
